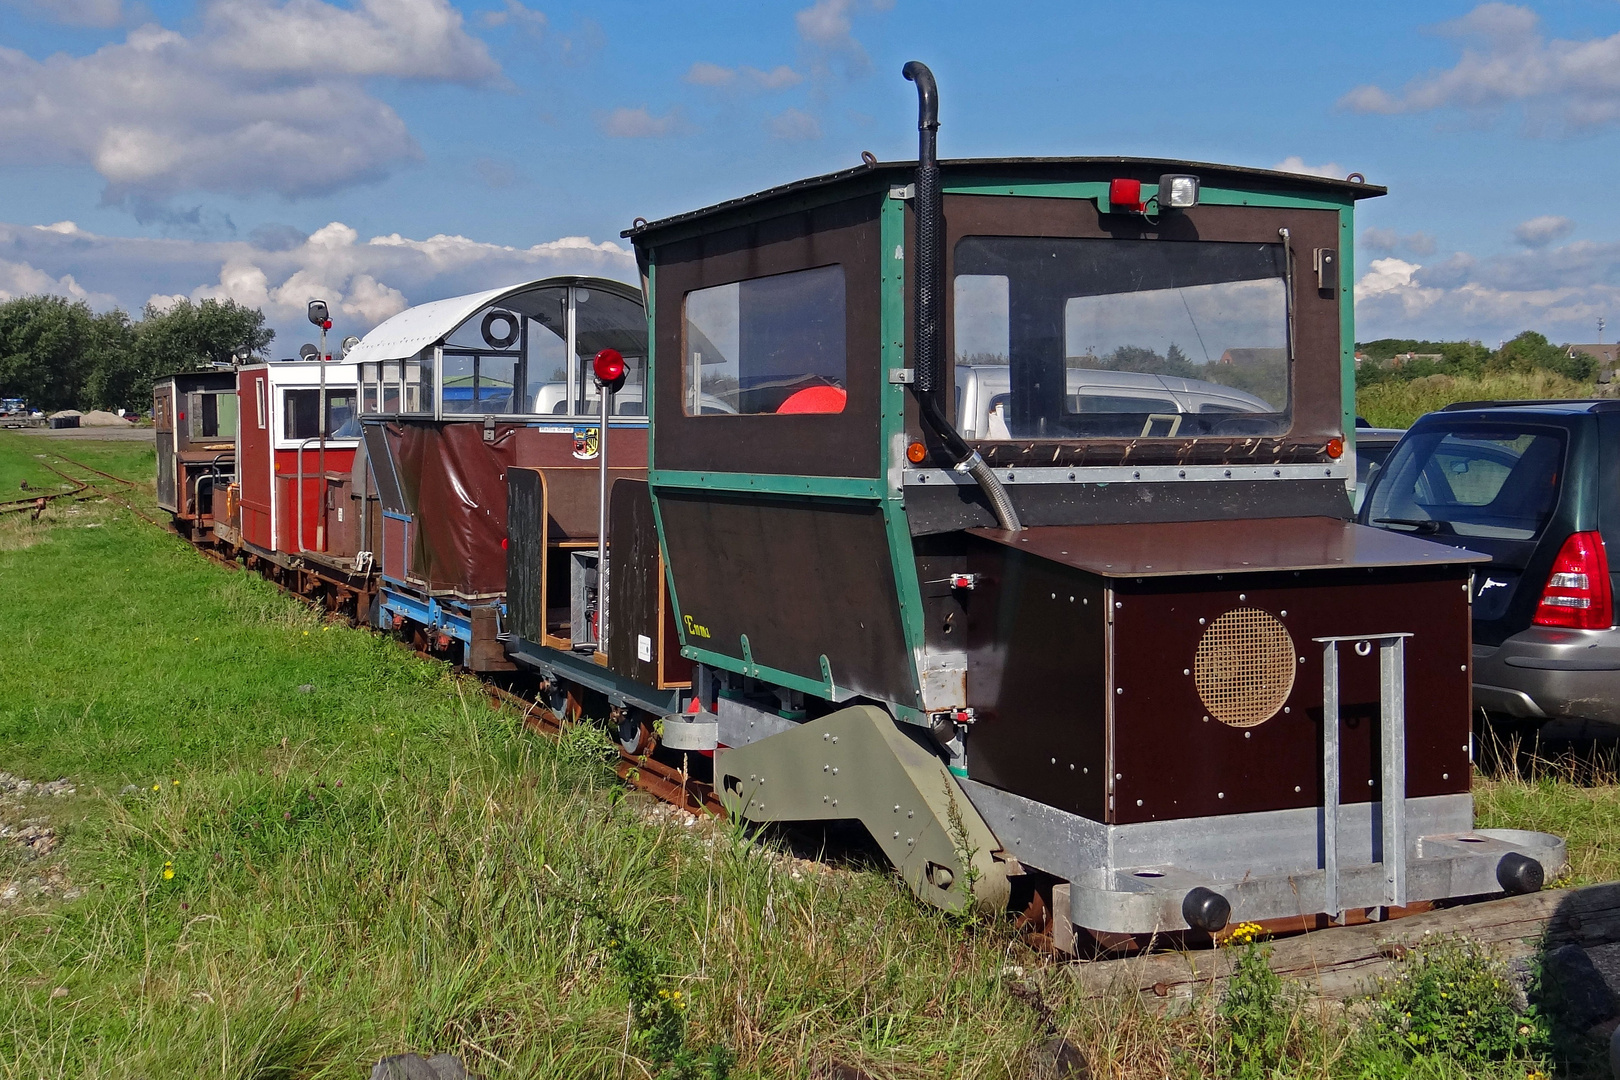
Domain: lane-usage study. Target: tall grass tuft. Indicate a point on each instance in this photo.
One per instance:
(1397, 404)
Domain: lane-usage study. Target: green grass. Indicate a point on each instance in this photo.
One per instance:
(368, 858)
(20, 461)
(1397, 404)
(1572, 800)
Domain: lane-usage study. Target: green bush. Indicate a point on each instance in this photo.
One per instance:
(1257, 1018)
(1454, 999)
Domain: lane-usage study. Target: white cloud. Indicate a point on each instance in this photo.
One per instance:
(826, 23)
(265, 98)
(1387, 241)
(1562, 85)
(407, 39)
(794, 125)
(364, 280)
(21, 279)
(780, 77)
(627, 123)
(704, 73)
(517, 16)
(1296, 164)
(1556, 290)
(1538, 232)
(495, 172)
(98, 14)
(827, 28)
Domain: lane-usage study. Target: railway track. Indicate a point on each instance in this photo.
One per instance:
(95, 486)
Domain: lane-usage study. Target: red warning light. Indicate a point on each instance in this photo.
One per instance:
(608, 366)
(1125, 196)
(327, 325)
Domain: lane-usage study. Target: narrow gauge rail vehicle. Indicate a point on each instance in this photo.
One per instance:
(999, 505)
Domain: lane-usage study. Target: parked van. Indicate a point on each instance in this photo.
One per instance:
(984, 390)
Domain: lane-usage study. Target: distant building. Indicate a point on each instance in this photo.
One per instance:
(1603, 354)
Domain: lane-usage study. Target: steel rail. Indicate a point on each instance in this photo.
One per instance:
(92, 486)
(93, 469)
(38, 501)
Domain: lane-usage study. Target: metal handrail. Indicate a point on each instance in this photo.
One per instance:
(298, 494)
(1392, 734)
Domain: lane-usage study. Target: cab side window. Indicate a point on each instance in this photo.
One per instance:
(767, 345)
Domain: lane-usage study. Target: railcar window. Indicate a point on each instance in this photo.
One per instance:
(418, 383)
(479, 384)
(606, 321)
(390, 388)
(214, 416)
(767, 345)
(1066, 338)
(301, 409)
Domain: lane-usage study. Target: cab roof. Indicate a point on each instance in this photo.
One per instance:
(1033, 168)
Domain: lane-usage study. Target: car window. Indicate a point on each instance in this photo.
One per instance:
(1493, 482)
(1120, 403)
(1370, 457)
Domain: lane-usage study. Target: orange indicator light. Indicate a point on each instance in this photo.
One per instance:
(916, 452)
(1335, 448)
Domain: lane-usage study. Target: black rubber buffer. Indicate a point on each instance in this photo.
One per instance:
(1206, 910)
(1519, 874)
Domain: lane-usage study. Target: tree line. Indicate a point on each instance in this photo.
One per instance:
(1525, 353)
(56, 353)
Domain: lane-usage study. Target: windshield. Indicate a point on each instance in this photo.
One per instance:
(1065, 338)
(1495, 482)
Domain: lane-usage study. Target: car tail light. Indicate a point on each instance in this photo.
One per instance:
(1577, 593)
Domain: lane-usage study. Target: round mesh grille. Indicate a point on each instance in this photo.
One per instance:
(1244, 667)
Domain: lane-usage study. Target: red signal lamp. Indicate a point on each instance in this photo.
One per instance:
(1125, 196)
(326, 325)
(608, 367)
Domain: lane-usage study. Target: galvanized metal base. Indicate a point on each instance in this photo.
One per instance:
(1131, 879)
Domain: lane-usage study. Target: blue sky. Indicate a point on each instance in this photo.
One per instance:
(389, 152)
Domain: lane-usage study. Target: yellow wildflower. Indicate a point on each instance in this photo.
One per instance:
(157, 787)
(176, 783)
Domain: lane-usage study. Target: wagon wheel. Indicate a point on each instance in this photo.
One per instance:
(573, 706)
(634, 734)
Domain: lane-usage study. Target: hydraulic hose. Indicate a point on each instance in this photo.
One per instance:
(929, 283)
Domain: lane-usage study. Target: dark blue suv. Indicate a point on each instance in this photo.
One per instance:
(1536, 486)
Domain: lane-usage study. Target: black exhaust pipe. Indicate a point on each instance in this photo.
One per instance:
(928, 355)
